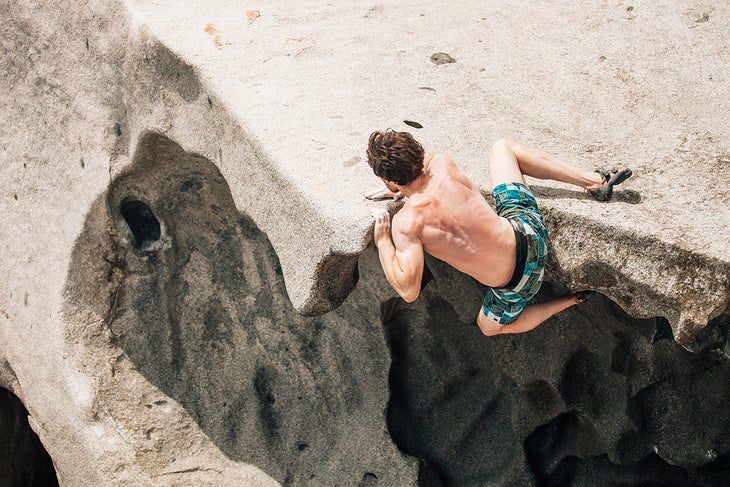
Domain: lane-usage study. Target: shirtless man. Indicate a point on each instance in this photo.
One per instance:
(446, 216)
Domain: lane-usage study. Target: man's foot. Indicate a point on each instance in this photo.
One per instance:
(583, 296)
(611, 178)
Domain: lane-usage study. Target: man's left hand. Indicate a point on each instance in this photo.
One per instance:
(378, 194)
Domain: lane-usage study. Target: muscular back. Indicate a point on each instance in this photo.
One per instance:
(455, 223)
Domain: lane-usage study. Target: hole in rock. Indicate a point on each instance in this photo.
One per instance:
(142, 222)
(369, 479)
(23, 460)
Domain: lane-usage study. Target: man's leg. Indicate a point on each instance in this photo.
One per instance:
(532, 316)
(509, 161)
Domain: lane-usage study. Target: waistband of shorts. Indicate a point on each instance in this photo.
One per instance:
(504, 187)
(521, 254)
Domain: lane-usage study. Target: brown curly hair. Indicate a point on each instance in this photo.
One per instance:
(395, 156)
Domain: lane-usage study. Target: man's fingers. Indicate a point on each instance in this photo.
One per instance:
(381, 229)
(378, 194)
(377, 213)
(375, 194)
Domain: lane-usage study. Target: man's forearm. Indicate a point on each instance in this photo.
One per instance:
(393, 271)
(400, 278)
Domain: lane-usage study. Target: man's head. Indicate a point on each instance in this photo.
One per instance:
(395, 156)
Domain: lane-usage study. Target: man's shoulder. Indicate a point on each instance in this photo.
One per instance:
(410, 216)
(417, 202)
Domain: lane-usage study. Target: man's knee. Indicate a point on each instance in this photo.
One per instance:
(490, 332)
(504, 167)
(487, 326)
(503, 145)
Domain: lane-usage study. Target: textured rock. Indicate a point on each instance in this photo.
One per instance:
(645, 275)
(181, 184)
(194, 301)
(595, 92)
(592, 397)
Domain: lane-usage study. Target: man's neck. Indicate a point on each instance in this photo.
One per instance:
(415, 186)
(418, 184)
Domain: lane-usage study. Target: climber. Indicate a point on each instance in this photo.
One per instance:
(445, 215)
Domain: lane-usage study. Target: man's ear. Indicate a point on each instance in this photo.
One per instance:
(392, 186)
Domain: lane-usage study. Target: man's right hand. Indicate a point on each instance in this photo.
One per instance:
(381, 230)
(378, 194)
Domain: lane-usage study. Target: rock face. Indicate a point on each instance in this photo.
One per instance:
(190, 293)
(646, 276)
(594, 397)
(189, 296)
(177, 286)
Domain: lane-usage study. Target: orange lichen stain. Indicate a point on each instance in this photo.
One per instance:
(212, 31)
(252, 15)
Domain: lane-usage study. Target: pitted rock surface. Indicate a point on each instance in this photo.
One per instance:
(592, 395)
(189, 296)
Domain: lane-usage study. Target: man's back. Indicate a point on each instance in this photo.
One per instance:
(456, 224)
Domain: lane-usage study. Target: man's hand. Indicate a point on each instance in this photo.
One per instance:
(378, 194)
(382, 226)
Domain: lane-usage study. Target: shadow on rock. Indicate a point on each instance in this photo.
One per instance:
(23, 460)
(619, 195)
(193, 293)
(591, 397)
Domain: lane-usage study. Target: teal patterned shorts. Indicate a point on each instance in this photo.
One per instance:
(515, 202)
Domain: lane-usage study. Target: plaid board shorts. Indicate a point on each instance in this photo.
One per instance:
(516, 202)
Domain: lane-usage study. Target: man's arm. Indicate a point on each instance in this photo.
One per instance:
(401, 257)
(378, 194)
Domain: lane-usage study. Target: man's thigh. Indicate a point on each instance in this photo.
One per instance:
(503, 165)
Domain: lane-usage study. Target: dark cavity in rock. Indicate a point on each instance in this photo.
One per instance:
(442, 58)
(23, 460)
(141, 222)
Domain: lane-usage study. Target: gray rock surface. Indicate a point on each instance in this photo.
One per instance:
(195, 301)
(593, 397)
(181, 184)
